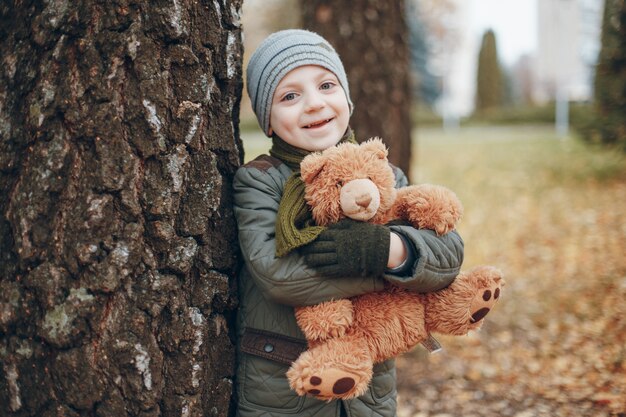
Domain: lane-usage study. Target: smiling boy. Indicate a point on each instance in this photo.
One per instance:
(310, 110)
(300, 95)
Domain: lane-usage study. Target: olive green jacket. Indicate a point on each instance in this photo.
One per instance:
(269, 288)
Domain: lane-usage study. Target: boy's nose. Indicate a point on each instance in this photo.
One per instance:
(314, 102)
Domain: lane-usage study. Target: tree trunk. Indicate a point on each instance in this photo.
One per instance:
(610, 78)
(119, 128)
(371, 36)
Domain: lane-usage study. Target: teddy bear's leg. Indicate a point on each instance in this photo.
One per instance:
(429, 206)
(325, 320)
(463, 305)
(336, 369)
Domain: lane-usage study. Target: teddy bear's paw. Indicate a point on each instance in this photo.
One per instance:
(462, 306)
(327, 376)
(325, 320)
(488, 292)
(332, 384)
(434, 207)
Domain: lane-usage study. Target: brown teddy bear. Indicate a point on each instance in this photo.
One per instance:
(346, 337)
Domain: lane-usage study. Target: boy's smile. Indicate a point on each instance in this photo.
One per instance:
(309, 109)
(318, 124)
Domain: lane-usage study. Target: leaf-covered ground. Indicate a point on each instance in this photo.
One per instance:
(551, 213)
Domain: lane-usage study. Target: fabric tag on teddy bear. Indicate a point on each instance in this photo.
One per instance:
(432, 345)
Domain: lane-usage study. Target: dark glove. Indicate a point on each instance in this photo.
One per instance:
(349, 248)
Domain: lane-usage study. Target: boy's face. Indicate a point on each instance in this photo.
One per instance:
(309, 109)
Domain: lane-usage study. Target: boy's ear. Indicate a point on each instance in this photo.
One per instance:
(312, 165)
(376, 147)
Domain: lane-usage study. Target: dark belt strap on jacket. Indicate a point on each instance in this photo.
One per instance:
(273, 346)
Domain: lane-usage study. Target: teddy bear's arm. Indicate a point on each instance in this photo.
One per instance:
(428, 206)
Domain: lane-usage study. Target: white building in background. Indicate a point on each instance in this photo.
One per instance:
(545, 43)
(568, 42)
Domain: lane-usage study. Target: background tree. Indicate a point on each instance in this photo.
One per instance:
(372, 39)
(610, 78)
(119, 139)
(489, 77)
(426, 86)
(440, 19)
(437, 22)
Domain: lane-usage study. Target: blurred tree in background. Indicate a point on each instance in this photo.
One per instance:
(372, 38)
(433, 38)
(439, 19)
(426, 85)
(609, 125)
(489, 77)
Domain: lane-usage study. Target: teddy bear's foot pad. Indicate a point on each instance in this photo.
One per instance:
(327, 375)
(319, 388)
(492, 282)
(333, 384)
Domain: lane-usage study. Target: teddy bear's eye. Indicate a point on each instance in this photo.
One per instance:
(339, 184)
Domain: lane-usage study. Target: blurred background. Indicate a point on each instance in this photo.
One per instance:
(519, 107)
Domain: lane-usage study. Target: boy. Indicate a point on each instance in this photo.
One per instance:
(300, 95)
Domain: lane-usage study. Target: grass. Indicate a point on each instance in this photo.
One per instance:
(510, 178)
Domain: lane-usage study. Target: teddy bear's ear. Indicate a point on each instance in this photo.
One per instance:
(376, 147)
(312, 165)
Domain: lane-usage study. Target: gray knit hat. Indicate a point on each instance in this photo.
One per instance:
(280, 53)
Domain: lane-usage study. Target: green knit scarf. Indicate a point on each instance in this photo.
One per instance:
(294, 222)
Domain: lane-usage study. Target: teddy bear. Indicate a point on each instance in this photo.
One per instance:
(347, 337)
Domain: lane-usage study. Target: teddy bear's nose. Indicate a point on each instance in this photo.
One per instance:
(363, 200)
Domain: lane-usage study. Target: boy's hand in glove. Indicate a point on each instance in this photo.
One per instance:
(349, 248)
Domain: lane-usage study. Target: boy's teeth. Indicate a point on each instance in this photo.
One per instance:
(318, 123)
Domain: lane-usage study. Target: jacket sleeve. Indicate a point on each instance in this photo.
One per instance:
(286, 280)
(437, 259)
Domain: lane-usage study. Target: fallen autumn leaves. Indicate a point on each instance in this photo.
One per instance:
(551, 214)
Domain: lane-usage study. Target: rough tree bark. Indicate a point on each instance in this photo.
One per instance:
(119, 139)
(372, 38)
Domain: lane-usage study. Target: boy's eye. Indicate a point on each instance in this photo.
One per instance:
(327, 85)
(289, 97)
